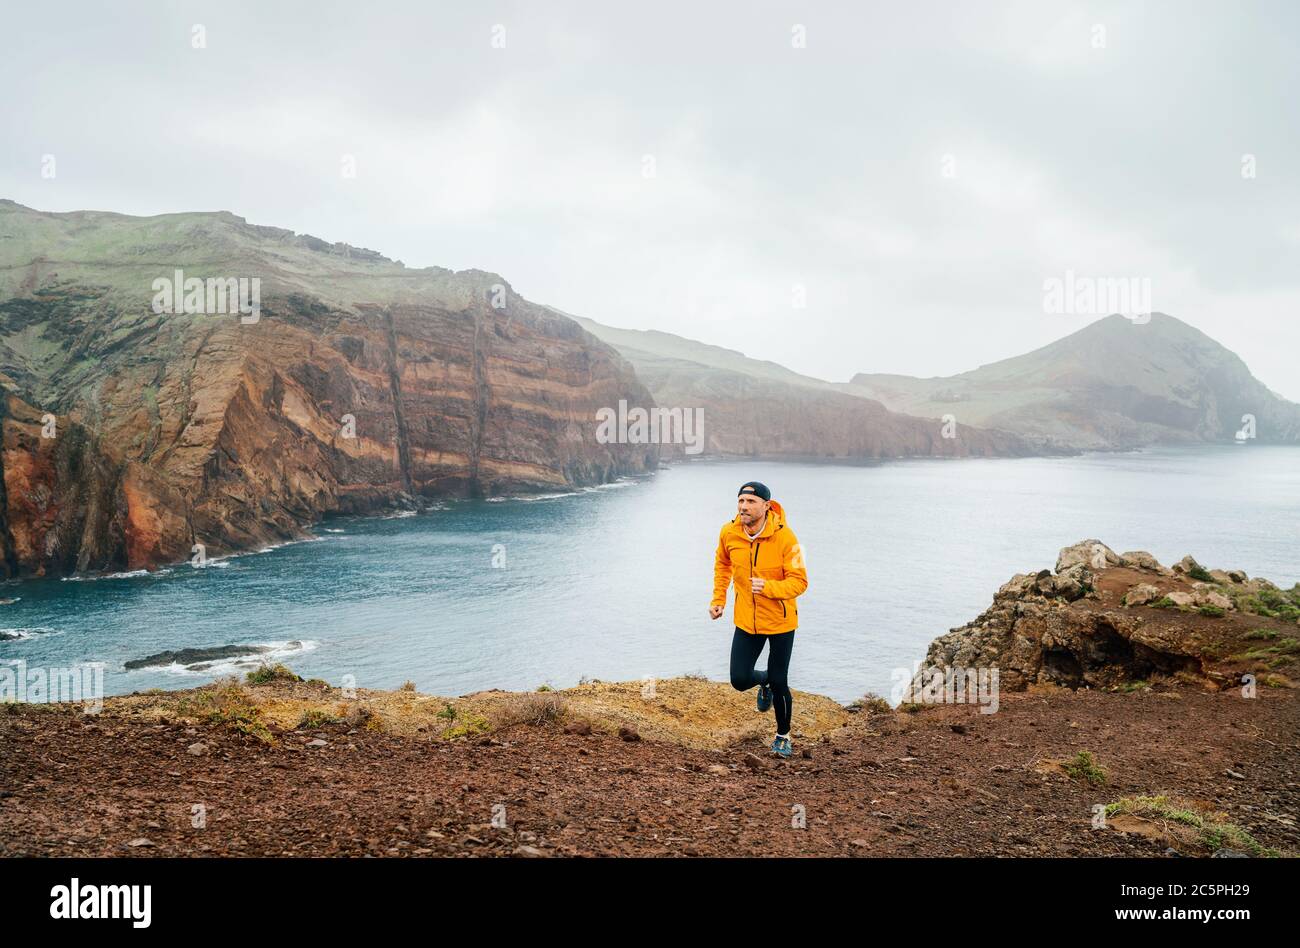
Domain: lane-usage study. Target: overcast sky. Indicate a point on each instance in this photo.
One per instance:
(918, 169)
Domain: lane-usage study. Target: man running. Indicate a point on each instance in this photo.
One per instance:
(760, 553)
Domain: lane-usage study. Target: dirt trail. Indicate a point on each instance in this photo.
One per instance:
(945, 780)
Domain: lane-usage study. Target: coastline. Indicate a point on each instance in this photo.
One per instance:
(677, 766)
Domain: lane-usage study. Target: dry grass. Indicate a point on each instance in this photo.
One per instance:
(1188, 825)
(691, 711)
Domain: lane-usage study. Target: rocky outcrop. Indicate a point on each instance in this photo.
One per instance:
(1103, 618)
(361, 385)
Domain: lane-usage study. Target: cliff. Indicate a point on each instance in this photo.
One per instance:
(358, 384)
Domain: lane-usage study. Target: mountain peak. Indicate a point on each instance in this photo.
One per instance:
(1118, 382)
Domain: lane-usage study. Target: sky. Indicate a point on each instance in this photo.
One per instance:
(839, 187)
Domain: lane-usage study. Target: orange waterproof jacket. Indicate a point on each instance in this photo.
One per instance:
(775, 556)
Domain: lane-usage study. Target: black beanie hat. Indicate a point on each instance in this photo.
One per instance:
(754, 487)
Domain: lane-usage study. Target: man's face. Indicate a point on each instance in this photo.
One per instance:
(752, 508)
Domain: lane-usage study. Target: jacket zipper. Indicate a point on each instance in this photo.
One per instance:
(753, 595)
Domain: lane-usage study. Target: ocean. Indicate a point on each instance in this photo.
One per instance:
(614, 583)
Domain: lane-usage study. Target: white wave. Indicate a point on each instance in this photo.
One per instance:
(221, 562)
(595, 488)
(18, 634)
(614, 485)
(533, 498)
(130, 574)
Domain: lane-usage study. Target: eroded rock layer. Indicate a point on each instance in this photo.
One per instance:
(360, 385)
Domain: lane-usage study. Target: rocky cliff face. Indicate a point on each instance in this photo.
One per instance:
(1103, 619)
(360, 385)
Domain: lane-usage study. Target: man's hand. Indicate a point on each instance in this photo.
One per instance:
(756, 583)
(715, 611)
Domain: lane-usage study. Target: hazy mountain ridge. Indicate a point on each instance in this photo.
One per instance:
(1113, 384)
(757, 408)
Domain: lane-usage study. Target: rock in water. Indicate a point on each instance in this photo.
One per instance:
(192, 656)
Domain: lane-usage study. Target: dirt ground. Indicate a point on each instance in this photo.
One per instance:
(522, 775)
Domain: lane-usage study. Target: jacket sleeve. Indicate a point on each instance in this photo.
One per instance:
(796, 574)
(721, 573)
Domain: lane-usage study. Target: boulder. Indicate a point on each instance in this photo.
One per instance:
(1091, 553)
(1141, 594)
(1070, 584)
(1206, 595)
(1141, 559)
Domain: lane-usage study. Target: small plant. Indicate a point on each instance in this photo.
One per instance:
(872, 704)
(1261, 634)
(264, 674)
(1164, 602)
(315, 718)
(1273, 598)
(1200, 572)
(228, 704)
(357, 715)
(1214, 612)
(407, 686)
(448, 713)
(1082, 767)
(469, 726)
(1258, 654)
(545, 688)
(536, 708)
(1207, 831)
